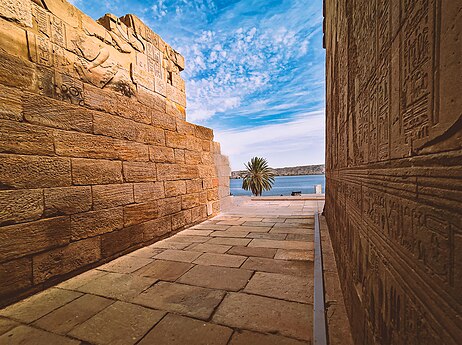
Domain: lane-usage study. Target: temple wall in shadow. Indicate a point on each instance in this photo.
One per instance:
(394, 166)
(96, 157)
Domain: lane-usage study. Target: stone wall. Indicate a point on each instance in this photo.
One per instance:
(394, 166)
(96, 157)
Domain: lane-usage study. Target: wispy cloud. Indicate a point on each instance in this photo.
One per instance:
(252, 66)
(299, 140)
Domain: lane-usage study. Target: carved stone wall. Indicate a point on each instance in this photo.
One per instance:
(394, 166)
(96, 157)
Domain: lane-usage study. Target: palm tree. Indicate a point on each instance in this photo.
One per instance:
(258, 177)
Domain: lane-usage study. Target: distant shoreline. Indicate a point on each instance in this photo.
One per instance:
(318, 169)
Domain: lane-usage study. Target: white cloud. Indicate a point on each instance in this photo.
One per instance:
(298, 142)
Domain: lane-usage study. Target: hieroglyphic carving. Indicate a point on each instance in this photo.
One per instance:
(40, 49)
(417, 77)
(42, 20)
(68, 89)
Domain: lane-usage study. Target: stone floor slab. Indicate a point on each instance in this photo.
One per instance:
(196, 232)
(215, 227)
(170, 244)
(119, 324)
(146, 252)
(290, 230)
(246, 312)
(208, 248)
(38, 305)
(119, 286)
(64, 319)
(277, 237)
(7, 324)
(264, 243)
(258, 224)
(213, 277)
(300, 237)
(302, 255)
(229, 241)
(247, 228)
(300, 268)
(231, 222)
(252, 338)
(125, 264)
(225, 260)
(190, 239)
(81, 279)
(165, 270)
(183, 299)
(25, 335)
(282, 286)
(252, 251)
(228, 233)
(180, 330)
(178, 255)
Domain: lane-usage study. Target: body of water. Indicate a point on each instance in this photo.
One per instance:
(285, 185)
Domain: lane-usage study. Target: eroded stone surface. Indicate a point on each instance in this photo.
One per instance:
(128, 323)
(179, 330)
(245, 311)
(188, 300)
(223, 278)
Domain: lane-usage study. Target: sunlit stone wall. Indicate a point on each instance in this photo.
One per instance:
(96, 157)
(394, 166)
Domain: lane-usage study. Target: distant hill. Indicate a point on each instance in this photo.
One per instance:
(290, 171)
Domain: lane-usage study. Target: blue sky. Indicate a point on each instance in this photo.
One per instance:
(254, 71)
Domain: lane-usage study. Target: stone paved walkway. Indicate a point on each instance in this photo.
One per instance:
(243, 277)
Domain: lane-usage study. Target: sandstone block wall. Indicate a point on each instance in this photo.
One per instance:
(394, 166)
(96, 157)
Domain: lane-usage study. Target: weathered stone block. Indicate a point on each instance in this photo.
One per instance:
(180, 156)
(156, 228)
(29, 238)
(34, 171)
(94, 223)
(10, 103)
(65, 260)
(120, 240)
(193, 157)
(206, 171)
(184, 127)
(163, 120)
(177, 171)
(118, 127)
(194, 186)
(203, 133)
(174, 188)
(48, 112)
(75, 144)
(169, 206)
(117, 104)
(67, 200)
(112, 195)
(139, 213)
(148, 191)
(17, 73)
(22, 138)
(20, 205)
(190, 201)
(16, 276)
(161, 154)
(176, 140)
(139, 171)
(96, 171)
(181, 219)
(198, 213)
